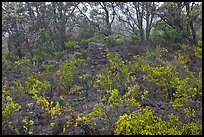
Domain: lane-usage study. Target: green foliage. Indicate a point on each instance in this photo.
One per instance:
(103, 80)
(18, 90)
(171, 75)
(189, 112)
(84, 42)
(135, 38)
(113, 93)
(166, 34)
(36, 88)
(198, 50)
(145, 123)
(13, 128)
(76, 61)
(28, 126)
(155, 35)
(115, 76)
(135, 124)
(103, 112)
(58, 54)
(112, 40)
(159, 75)
(48, 66)
(70, 43)
(7, 62)
(150, 55)
(81, 120)
(9, 107)
(129, 97)
(118, 108)
(76, 89)
(48, 106)
(40, 55)
(168, 77)
(85, 76)
(27, 120)
(65, 76)
(24, 65)
(192, 129)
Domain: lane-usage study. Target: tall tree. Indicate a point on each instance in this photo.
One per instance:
(179, 15)
(190, 21)
(150, 9)
(109, 10)
(135, 15)
(139, 8)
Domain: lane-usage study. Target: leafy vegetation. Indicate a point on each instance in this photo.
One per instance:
(70, 43)
(94, 68)
(145, 123)
(8, 106)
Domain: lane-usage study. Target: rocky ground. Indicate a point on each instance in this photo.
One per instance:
(83, 100)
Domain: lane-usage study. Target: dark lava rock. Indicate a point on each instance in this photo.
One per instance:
(75, 131)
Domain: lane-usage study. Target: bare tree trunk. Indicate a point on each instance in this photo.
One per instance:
(139, 8)
(150, 8)
(108, 29)
(141, 33)
(9, 43)
(190, 23)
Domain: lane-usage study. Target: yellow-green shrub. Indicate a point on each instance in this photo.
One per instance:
(178, 77)
(36, 87)
(198, 50)
(145, 123)
(9, 107)
(70, 43)
(65, 76)
(115, 76)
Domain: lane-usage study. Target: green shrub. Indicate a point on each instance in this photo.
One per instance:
(166, 78)
(40, 57)
(6, 61)
(145, 123)
(103, 112)
(65, 76)
(70, 43)
(48, 66)
(135, 38)
(23, 65)
(58, 54)
(150, 55)
(115, 76)
(18, 90)
(36, 88)
(169, 36)
(9, 107)
(86, 41)
(198, 50)
(174, 75)
(112, 40)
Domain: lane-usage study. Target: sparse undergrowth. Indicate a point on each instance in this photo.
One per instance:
(120, 109)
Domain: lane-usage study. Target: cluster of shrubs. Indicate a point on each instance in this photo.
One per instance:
(117, 79)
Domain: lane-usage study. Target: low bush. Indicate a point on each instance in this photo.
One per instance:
(117, 75)
(145, 123)
(9, 107)
(112, 40)
(70, 43)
